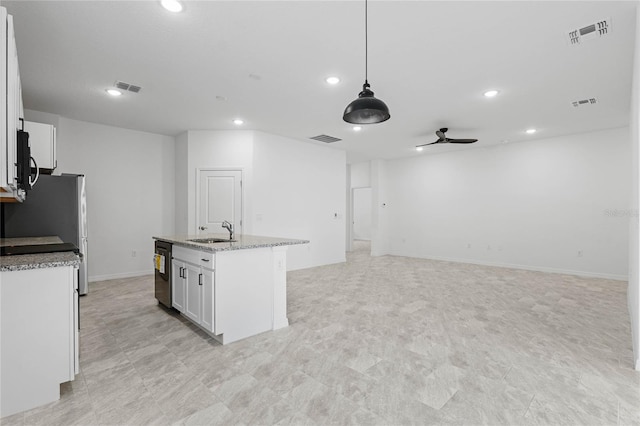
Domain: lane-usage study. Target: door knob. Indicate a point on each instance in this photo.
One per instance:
(202, 228)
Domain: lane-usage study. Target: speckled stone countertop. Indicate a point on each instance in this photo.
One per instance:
(242, 242)
(36, 261)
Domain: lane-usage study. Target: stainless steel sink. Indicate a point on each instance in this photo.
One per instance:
(212, 240)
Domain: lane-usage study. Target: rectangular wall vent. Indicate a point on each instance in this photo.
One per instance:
(127, 86)
(325, 138)
(589, 32)
(583, 102)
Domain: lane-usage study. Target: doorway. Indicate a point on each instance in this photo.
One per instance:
(219, 199)
(361, 214)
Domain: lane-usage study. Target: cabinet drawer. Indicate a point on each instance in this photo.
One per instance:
(186, 255)
(207, 259)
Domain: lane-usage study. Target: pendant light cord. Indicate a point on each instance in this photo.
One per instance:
(366, 42)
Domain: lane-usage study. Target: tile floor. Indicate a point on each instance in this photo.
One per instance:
(374, 341)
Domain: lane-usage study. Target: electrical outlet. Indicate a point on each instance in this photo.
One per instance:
(134, 253)
(469, 245)
(580, 253)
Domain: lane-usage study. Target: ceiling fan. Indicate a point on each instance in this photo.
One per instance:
(444, 139)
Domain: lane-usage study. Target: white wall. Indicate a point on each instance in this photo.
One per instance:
(290, 189)
(361, 174)
(130, 192)
(181, 182)
(381, 225)
(217, 149)
(298, 193)
(531, 205)
(633, 292)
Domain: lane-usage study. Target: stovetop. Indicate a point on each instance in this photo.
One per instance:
(38, 248)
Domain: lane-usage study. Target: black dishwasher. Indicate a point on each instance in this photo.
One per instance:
(163, 272)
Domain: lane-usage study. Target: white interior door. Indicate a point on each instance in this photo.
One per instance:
(220, 199)
(362, 213)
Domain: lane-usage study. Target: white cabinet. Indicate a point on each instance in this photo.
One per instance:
(42, 140)
(231, 294)
(177, 285)
(39, 336)
(193, 294)
(208, 295)
(11, 111)
(193, 286)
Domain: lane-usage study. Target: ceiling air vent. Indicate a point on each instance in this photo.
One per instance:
(589, 32)
(584, 102)
(325, 138)
(127, 86)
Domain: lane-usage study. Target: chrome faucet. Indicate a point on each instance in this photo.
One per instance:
(229, 227)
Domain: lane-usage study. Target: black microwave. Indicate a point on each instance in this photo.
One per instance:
(23, 163)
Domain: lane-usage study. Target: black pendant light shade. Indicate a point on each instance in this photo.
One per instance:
(367, 109)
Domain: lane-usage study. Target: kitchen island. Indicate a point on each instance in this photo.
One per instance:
(39, 331)
(231, 289)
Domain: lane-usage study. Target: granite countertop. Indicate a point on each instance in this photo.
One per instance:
(36, 261)
(242, 242)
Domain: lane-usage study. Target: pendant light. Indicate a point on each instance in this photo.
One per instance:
(366, 109)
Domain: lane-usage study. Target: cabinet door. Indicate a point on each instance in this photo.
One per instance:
(193, 297)
(13, 104)
(208, 293)
(4, 160)
(177, 285)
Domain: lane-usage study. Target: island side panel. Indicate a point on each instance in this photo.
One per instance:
(243, 293)
(280, 319)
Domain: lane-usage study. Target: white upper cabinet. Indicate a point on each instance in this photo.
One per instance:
(11, 110)
(4, 161)
(42, 140)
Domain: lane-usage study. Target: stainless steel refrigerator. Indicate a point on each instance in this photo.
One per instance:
(56, 206)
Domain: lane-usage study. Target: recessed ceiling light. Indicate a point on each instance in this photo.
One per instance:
(357, 128)
(113, 92)
(172, 5)
(530, 131)
(419, 148)
(332, 80)
(491, 93)
(238, 122)
(221, 98)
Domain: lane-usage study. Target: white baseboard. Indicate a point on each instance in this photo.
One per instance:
(93, 278)
(587, 274)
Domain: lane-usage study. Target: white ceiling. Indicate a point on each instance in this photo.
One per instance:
(430, 61)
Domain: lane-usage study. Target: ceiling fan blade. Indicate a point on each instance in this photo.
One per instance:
(463, 140)
(425, 144)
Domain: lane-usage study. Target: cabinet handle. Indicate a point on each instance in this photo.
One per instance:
(182, 272)
(206, 260)
(199, 279)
